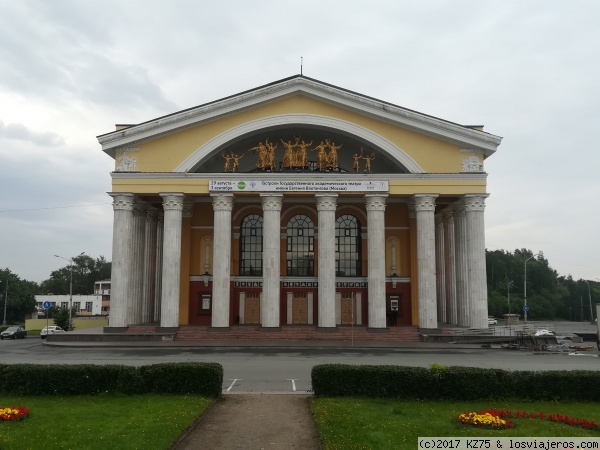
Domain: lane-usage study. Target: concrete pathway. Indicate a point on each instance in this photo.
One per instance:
(254, 422)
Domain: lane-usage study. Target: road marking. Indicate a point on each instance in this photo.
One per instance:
(232, 383)
(293, 383)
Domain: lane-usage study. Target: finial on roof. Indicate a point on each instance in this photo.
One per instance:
(301, 65)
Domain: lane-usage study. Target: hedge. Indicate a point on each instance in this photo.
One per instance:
(453, 383)
(90, 379)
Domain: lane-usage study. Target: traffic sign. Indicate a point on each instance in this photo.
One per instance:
(46, 304)
(525, 308)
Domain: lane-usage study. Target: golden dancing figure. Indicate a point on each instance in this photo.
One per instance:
(356, 157)
(289, 158)
(322, 158)
(236, 161)
(270, 156)
(332, 158)
(368, 160)
(301, 161)
(227, 166)
(261, 150)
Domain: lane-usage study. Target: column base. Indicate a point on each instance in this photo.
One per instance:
(114, 329)
(219, 328)
(378, 330)
(326, 329)
(167, 329)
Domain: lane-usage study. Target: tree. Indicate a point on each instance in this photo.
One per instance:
(19, 297)
(61, 318)
(86, 271)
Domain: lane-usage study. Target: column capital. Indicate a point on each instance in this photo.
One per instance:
(447, 214)
(475, 202)
(326, 202)
(152, 214)
(188, 208)
(271, 202)
(140, 209)
(375, 202)
(222, 202)
(122, 202)
(425, 202)
(172, 200)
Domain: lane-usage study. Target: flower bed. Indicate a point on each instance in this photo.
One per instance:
(9, 414)
(492, 418)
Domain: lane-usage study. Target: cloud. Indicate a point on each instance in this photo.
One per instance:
(20, 132)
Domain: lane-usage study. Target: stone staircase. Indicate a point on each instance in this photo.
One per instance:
(297, 333)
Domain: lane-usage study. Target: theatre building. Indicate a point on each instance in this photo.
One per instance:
(298, 205)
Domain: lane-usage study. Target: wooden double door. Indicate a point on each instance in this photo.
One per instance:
(300, 308)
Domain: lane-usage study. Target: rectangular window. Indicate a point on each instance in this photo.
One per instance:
(77, 305)
(88, 306)
(64, 304)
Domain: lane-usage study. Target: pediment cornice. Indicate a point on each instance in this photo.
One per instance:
(432, 126)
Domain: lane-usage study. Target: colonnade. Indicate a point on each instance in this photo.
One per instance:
(146, 260)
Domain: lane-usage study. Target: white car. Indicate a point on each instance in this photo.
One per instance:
(492, 321)
(50, 330)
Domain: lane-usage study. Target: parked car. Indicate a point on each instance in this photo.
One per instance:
(53, 329)
(14, 333)
(492, 321)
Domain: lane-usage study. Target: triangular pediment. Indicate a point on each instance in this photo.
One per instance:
(463, 136)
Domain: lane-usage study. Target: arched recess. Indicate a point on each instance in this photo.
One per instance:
(208, 150)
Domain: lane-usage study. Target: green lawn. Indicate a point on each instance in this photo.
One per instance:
(349, 423)
(100, 422)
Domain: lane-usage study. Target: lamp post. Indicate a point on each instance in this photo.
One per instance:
(70, 287)
(5, 302)
(525, 287)
(508, 285)
(590, 297)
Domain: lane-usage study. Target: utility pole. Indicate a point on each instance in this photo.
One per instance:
(590, 296)
(525, 287)
(5, 302)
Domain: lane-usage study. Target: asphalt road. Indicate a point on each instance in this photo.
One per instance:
(277, 369)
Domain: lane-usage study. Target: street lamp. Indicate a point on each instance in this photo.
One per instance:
(590, 296)
(70, 286)
(5, 301)
(525, 287)
(508, 285)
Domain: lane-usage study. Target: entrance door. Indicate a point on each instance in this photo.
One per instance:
(348, 309)
(300, 309)
(252, 308)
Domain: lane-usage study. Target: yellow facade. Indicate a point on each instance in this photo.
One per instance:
(413, 154)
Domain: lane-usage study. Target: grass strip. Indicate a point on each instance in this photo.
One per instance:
(356, 423)
(101, 422)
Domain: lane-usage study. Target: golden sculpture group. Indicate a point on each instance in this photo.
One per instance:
(296, 156)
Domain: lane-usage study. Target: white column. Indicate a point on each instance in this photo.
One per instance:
(173, 211)
(375, 205)
(121, 258)
(425, 211)
(462, 273)
(269, 307)
(159, 267)
(134, 305)
(478, 306)
(149, 292)
(207, 240)
(440, 271)
(326, 205)
(222, 206)
(450, 265)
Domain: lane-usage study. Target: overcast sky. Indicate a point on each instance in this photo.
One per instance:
(70, 70)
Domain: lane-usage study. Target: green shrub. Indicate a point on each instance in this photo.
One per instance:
(453, 383)
(183, 378)
(90, 379)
